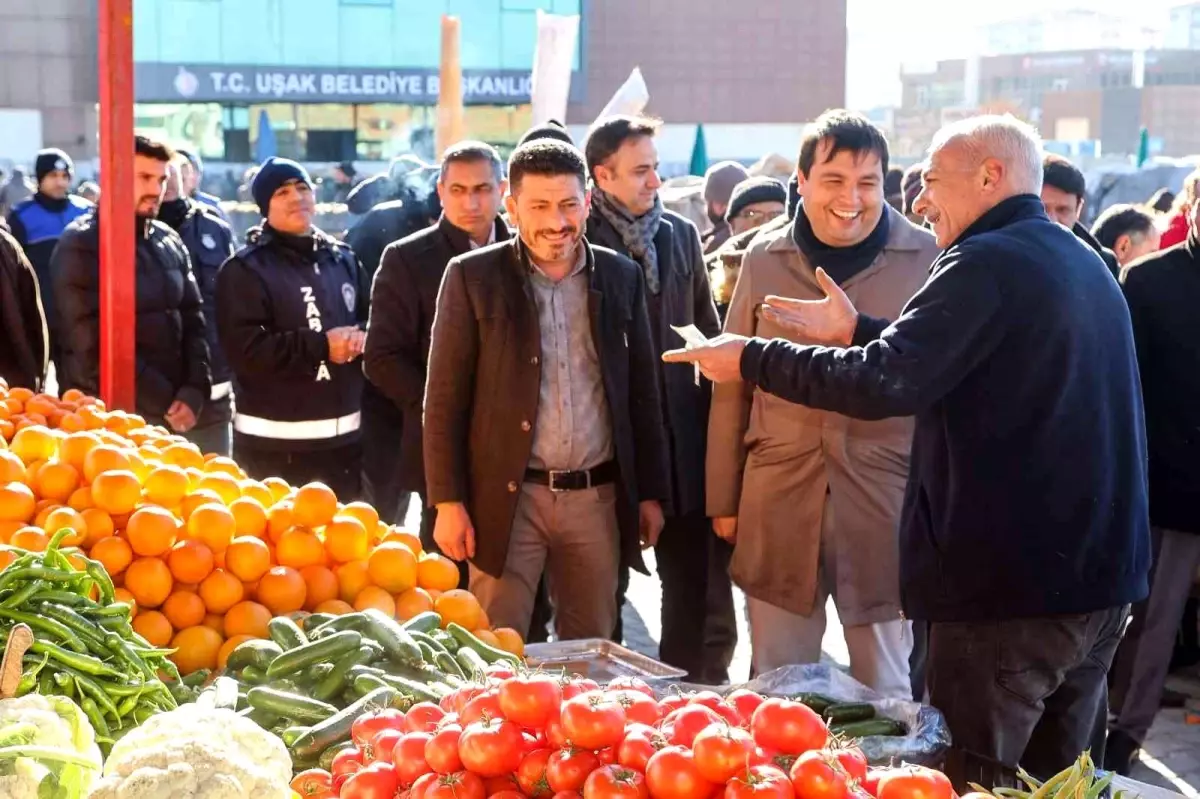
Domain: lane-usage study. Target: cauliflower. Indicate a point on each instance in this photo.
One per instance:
(47, 749)
(197, 753)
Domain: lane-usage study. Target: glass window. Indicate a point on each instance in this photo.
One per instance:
(325, 117)
(195, 126)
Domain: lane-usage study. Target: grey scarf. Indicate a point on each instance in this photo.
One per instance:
(636, 233)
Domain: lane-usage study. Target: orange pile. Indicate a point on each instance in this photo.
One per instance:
(205, 555)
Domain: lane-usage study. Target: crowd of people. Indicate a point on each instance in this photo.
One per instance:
(932, 396)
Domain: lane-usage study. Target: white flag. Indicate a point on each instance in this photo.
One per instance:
(631, 98)
(552, 63)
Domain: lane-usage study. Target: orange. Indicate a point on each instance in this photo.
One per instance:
(12, 468)
(152, 531)
(17, 503)
(196, 648)
(282, 590)
(150, 582)
(252, 489)
(104, 458)
(113, 553)
(247, 558)
(166, 486)
(437, 572)
(20, 393)
(459, 606)
(222, 465)
(321, 585)
(249, 517)
(221, 591)
(81, 498)
(67, 517)
(213, 524)
(346, 539)
(375, 597)
(183, 455)
(353, 577)
(406, 537)
(190, 561)
(314, 505)
(7, 556)
(280, 519)
(393, 567)
(116, 492)
(335, 606)
(223, 485)
(364, 513)
(99, 526)
(247, 618)
(184, 609)
(122, 595)
(7, 529)
(154, 627)
(56, 481)
(413, 602)
(487, 636)
(278, 487)
(509, 640)
(228, 647)
(195, 499)
(138, 465)
(215, 621)
(299, 548)
(34, 443)
(40, 403)
(71, 422)
(30, 538)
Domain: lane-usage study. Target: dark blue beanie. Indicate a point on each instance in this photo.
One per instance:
(273, 173)
(51, 160)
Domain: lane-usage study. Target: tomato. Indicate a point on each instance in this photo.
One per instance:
(760, 782)
(501, 671)
(770, 757)
(615, 782)
(408, 757)
(368, 725)
(593, 720)
(640, 744)
(710, 699)
(463, 695)
(745, 703)
(607, 756)
(688, 722)
(567, 795)
(505, 783)
(346, 762)
(482, 706)
(818, 775)
(568, 769)
(722, 752)
(491, 748)
(574, 686)
(423, 717)
(788, 726)
(638, 707)
(631, 684)
(672, 774)
(914, 782)
(507, 794)
(459, 785)
(555, 737)
(376, 781)
(672, 703)
(530, 700)
(418, 789)
(441, 750)
(852, 760)
(531, 774)
(314, 783)
(870, 783)
(380, 747)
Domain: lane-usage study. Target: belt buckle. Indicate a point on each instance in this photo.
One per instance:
(554, 475)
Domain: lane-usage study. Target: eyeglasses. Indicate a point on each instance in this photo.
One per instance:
(759, 217)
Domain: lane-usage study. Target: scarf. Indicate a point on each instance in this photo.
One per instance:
(304, 245)
(841, 263)
(637, 234)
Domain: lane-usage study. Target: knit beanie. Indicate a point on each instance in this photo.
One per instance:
(720, 180)
(50, 160)
(273, 173)
(193, 159)
(755, 190)
(552, 129)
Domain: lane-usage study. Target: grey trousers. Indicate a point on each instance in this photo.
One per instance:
(215, 438)
(1174, 574)
(572, 536)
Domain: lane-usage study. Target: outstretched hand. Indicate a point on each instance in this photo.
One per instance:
(720, 359)
(829, 321)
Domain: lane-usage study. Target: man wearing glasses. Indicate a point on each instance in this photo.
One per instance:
(754, 203)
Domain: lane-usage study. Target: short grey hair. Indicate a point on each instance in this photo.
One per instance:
(1005, 138)
(466, 152)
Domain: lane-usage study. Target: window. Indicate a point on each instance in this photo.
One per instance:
(366, 2)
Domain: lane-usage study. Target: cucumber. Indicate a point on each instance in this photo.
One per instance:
(814, 701)
(446, 662)
(848, 712)
(347, 621)
(315, 620)
(323, 650)
(364, 684)
(290, 706)
(394, 639)
(325, 761)
(490, 654)
(335, 680)
(253, 675)
(428, 653)
(425, 622)
(448, 641)
(290, 735)
(286, 633)
(263, 718)
(472, 662)
(417, 690)
(425, 638)
(336, 728)
(863, 729)
(256, 652)
(314, 674)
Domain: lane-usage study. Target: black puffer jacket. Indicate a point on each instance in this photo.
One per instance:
(24, 344)
(172, 353)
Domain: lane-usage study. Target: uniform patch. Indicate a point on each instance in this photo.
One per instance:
(349, 295)
(208, 241)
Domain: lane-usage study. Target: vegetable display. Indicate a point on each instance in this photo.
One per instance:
(1081, 781)
(47, 749)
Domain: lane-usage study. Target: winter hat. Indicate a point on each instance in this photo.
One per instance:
(193, 159)
(720, 180)
(553, 129)
(273, 173)
(755, 190)
(50, 160)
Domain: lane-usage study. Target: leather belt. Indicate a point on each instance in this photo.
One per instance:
(561, 480)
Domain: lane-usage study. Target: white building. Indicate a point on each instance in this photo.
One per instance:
(1183, 28)
(1075, 29)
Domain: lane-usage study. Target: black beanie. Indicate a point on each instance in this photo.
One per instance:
(50, 160)
(755, 190)
(273, 173)
(552, 129)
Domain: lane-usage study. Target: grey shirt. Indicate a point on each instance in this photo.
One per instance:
(573, 429)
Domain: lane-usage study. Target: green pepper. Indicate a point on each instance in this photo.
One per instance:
(92, 711)
(90, 687)
(58, 597)
(52, 628)
(86, 663)
(19, 597)
(123, 651)
(85, 629)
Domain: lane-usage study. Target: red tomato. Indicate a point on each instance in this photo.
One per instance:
(408, 756)
(531, 774)
(346, 762)
(788, 726)
(568, 769)
(441, 750)
(615, 782)
(672, 774)
(567, 795)
(482, 706)
(459, 785)
(640, 744)
(381, 746)
(530, 700)
(507, 794)
(914, 782)
(314, 783)
(818, 775)
(423, 717)
(574, 686)
(745, 703)
(852, 760)
(710, 699)
(491, 748)
(672, 703)
(607, 756)
(760, 782)
(555, 737)
(722, 752)
(638, 707)
(463, 695)
(418, 789)
(870, 783)
(690, 721)
(770, 757)
(368, 725)
(376, 781)
(593, 720)
(631, 684)
(505, 783)
(501, 671)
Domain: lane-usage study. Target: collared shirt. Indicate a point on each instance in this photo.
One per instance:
(573, 429)
(491, 238)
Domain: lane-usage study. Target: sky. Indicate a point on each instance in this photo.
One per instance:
(883, 34)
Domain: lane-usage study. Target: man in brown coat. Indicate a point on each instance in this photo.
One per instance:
(543, 439)
(811, 498)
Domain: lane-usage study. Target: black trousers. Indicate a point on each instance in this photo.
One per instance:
(340, 468)
(720, 623)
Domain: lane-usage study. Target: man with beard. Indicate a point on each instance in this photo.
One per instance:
(543, 435)
(209, 242)
(719, 183)
(173, 379)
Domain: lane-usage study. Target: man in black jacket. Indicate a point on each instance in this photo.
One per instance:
(1063, 192)
(209, 243)
(1163, 290)
(628, 217)
(291, 307)
(173, 379)
(1024, 533)
(24, 347)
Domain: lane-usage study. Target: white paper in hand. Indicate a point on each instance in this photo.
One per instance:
(691, 335)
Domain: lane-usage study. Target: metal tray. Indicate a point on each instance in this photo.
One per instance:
(598, 659)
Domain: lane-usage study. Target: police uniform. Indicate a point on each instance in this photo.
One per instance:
(297, 413)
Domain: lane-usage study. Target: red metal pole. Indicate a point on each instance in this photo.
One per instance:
(117, 271)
